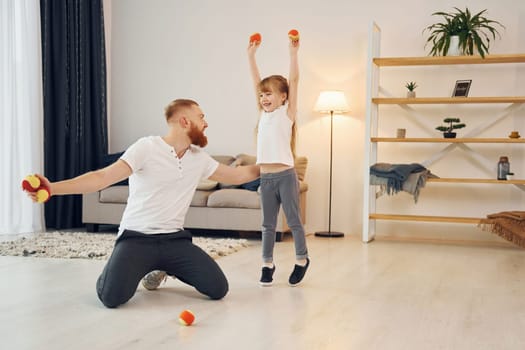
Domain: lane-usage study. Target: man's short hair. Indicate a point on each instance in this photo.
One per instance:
(177, 105)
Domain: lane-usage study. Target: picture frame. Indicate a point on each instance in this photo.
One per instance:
(462, 87)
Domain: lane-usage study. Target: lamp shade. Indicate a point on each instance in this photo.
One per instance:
(331, 101)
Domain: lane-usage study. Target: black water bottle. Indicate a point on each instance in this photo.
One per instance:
(503, 167)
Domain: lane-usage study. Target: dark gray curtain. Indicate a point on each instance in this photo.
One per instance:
(74, 83)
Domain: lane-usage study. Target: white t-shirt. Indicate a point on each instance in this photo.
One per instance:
(162, 186)
(274, 136)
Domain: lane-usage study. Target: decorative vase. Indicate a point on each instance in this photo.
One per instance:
(401, 133)
(453, 49)
(449, 135)
(411, 94)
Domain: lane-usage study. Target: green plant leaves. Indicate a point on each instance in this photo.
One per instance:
(474, 32)
(411, 86)
(453, 123)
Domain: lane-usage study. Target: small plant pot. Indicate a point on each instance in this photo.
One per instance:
(411, 94)
(449, 135)
(454, 49)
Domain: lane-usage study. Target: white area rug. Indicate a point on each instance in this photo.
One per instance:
(83, 245)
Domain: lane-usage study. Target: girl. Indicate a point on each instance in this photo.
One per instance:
(277, 101)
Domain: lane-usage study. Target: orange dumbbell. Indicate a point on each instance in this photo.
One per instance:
(293, 34)
(255, 38)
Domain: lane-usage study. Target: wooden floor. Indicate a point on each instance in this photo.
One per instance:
(389, 294)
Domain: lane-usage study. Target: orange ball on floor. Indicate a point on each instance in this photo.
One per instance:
(186, 318)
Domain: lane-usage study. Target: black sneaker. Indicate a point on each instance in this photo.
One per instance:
(267, 276)
(298, 273)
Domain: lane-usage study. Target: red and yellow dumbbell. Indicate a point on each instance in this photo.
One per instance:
(32, 183)
(293, 34)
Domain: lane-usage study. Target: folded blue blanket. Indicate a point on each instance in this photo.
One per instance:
(395, 173)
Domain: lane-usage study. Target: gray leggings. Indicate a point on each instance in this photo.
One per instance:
(277, 189)
(135, 254)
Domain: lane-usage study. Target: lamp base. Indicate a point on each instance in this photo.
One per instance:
(329, 234)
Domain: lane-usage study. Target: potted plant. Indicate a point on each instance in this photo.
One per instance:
(448, 130)
(441, 34)
(473, 32)
(411, 86)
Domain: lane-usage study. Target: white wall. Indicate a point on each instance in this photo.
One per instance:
(165, 49)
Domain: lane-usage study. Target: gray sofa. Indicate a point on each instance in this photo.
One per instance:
(215, 206)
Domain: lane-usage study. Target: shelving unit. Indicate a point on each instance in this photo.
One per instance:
(370, 216)
(447, 100)
(443, 140)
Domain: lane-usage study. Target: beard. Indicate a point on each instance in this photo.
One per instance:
(197, 136)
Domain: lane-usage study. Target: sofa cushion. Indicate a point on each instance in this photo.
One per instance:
(207, 185)
(114, 194)
(200, 198)
(226, 160)
(245, 159)
(234, 198)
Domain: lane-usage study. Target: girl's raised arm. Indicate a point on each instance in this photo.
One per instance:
(254, 70)
(293, 79)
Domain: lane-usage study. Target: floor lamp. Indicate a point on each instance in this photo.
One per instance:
(331, 102)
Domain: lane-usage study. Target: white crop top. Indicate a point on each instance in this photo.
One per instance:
(273, 138)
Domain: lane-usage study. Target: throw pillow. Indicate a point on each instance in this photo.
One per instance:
(252, 185)
(207, 185)
(300, 167)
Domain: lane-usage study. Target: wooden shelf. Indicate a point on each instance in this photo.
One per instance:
(379, 98)
(425, 218)
(477, 181)
(447, 60)
(446, 100)
(444, 140)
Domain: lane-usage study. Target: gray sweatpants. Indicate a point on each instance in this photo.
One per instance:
(277, 189)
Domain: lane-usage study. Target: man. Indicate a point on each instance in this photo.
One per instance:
(163, 175)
